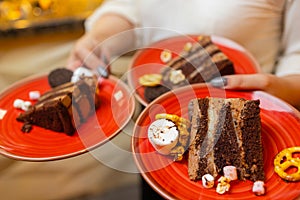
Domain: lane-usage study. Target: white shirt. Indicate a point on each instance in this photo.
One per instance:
(268, 29)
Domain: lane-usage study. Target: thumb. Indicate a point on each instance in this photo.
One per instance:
(242, 81)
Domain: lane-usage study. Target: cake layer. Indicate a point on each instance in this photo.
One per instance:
(196, 161)
(225, 132)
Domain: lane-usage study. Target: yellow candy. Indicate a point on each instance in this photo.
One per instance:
(223, 185)
(178, 120)
(165, 56)
(150, 79)
(285, 160)
(188, 46)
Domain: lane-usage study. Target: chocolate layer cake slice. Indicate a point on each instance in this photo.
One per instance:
(203, 62)
(225, 132)
(65, 107)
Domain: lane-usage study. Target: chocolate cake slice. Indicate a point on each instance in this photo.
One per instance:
(152, 93)
(203, 62)
(65, 107)
(225, 132)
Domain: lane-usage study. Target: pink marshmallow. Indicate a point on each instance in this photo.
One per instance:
(230, 172)
(258, 188)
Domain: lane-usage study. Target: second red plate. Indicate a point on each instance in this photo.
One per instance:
(147, 60)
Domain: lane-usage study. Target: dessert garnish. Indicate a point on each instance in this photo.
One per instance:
(285, 160)
(21, 104)
(2, 113)
(163, 135)
(176, 76)
(81, 72)
(188, 46)
(208, 181)
(223, 185)
(150, 79)
(258, 188)
(230, 172)
(165, 55)
(118, 95)
(34, 95)
(169, 135)
(59, 76)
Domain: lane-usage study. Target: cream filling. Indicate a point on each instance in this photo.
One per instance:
(237, 107)
(215, 105)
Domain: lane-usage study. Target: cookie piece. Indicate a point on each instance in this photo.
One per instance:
(152, 93)
(59, 76)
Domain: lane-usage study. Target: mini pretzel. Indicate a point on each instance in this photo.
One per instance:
(285, 160)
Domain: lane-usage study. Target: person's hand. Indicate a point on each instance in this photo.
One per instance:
(87, 52)
(286, 87)
(92, 51)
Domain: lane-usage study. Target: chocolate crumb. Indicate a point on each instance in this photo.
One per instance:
(26, 128)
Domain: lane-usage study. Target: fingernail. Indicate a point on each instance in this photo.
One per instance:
(219, 82)
(102, 71)
(104, 59)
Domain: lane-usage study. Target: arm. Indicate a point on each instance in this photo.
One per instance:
(87, 49)
(285, 84)
(285, 87)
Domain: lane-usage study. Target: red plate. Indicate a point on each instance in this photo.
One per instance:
(280, 129)
(147, 61)
(43, 145)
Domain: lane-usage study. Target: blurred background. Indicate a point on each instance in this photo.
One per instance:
(37, 36)
(23, 14)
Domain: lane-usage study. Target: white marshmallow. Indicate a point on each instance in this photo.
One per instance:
(230, 172)
(18, 103)
(74, 79)
(208, 181)
(26, 105)
(2, 113)
(163, 135)
(21, 104)
(118, 95)
(34, 95)
(80, 71)
(258, 188)
(176, 76)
